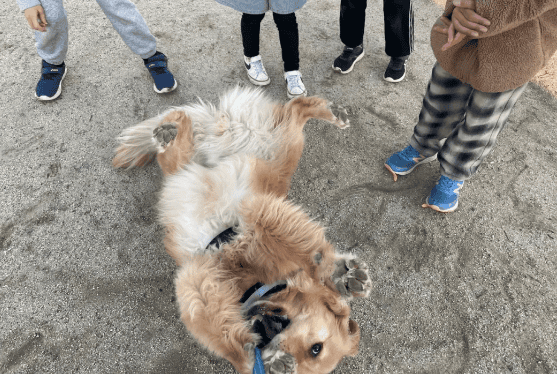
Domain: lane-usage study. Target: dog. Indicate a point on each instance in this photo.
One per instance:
(253, 269)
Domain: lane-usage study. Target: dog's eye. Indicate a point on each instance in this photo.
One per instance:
(316, 349)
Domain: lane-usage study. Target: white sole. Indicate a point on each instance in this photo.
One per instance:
(166, 90)
(259, 83)
(293, 96)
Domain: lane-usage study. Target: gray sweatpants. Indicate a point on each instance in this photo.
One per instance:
(52, 45)
(469, 119)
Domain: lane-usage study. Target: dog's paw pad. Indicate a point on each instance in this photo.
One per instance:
(280, 363)
(351, 278)
(341, 115)
(164, 134)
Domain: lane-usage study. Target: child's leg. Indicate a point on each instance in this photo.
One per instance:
(250, 27)
(399, 27)
(444, 107)
(352, 22)
(473, 139)
(131, 26)
(289, 40)
(52, 45)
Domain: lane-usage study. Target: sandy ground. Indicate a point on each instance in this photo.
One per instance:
(85, 283)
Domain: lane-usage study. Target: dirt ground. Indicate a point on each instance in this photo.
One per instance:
(85, 283)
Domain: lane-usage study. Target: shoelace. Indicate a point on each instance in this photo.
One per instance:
(448, 184)
(409, 153)
(258, 67)
(293, 81)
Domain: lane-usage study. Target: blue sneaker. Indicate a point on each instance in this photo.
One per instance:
(164, 80)
(444, 196)
(50, 84)
(403, 162)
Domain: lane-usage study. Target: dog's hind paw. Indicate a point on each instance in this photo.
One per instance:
(164, 134)
(351, 278)
(279, 363)
(341, 115)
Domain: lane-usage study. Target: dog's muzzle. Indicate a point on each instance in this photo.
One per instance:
(268, 321)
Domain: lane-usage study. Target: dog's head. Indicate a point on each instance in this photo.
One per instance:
(309, 322)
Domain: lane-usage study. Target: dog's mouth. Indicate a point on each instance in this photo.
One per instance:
(268, 319)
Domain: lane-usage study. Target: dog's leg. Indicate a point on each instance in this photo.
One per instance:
(170, 138)
(302, 109)
(283, 239)
(136, 145)
(350, 277)
(174, 140)
(274, 175)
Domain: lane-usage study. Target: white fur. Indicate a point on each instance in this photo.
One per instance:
(210, 204)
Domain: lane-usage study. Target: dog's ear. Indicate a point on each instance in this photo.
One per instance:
(349, 328)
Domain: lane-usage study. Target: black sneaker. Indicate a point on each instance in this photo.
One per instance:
(345, 62)
(396, 71)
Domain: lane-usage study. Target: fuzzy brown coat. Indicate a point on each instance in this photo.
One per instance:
(521, 39)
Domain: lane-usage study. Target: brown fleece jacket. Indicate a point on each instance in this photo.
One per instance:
(521, 39)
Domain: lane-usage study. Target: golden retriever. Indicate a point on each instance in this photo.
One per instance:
(227, 171)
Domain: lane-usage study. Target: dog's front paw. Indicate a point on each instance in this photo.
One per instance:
(351, 278)
(341, 115)
(279, 362)
(164, 134)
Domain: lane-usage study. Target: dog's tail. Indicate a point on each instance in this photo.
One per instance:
(137, 144)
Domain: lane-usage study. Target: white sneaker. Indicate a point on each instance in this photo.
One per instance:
(294, 85)
(256, 71)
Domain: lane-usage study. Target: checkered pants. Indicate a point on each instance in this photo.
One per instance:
(469, 119)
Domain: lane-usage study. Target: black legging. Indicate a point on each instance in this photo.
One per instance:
(288, 36)
(399, 25)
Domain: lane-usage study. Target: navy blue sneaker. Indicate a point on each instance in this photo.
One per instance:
(444, 196)
(403, 162)
(50, 84)
(157, 66)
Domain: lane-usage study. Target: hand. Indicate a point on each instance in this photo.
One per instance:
(468, 22)
(452, 38)
(442, 25)
(445, 26)
(36, 18)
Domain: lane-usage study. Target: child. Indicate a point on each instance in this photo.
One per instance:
(285, 19)
(399, 35)
(479, 75)
(48, 18)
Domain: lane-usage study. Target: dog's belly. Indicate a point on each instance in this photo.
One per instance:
(198, 203)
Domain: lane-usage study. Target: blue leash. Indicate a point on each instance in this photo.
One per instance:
(258, 368)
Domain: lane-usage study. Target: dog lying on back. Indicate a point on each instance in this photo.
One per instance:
(227, 173)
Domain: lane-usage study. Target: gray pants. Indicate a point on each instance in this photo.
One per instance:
(52, 45)
(468, 118)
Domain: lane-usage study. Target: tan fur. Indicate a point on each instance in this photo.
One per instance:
(276, 240)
